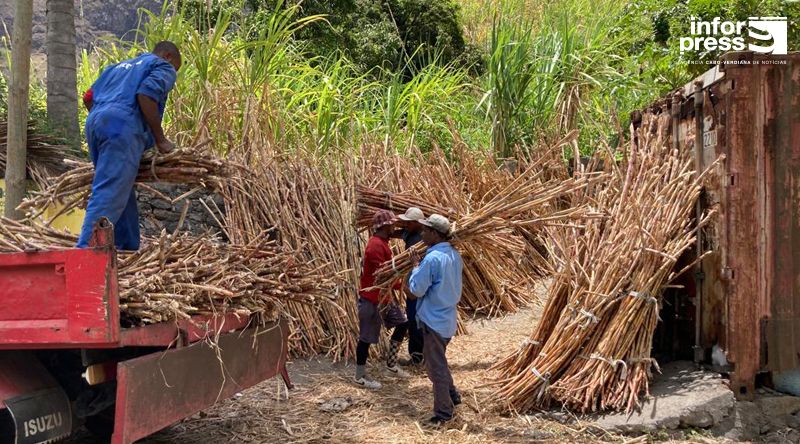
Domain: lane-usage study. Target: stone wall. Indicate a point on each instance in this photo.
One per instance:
(93, 19)
(156, 213)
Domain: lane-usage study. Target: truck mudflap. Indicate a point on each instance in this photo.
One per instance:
(38, 407)
(159, 389)
(43, 416)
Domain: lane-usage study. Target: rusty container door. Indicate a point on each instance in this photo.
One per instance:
(782, 209)
(748, 290)
(762, 228)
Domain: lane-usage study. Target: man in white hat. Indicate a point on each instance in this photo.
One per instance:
(411, 234)
(436, 283)
(410, 228)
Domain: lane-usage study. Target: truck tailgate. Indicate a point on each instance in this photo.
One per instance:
(58, 299)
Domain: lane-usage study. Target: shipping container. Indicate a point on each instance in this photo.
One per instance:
(744, 297)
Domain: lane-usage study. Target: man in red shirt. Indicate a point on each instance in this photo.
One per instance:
(375, 310)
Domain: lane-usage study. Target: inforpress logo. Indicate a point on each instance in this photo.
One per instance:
(766, 29)
(769, 34)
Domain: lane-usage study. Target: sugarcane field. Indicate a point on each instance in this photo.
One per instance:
(399, 221)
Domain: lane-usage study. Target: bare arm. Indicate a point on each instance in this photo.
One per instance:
(408, 293)
(149, 109)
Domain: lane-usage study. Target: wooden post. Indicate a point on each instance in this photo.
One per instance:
(18, 107)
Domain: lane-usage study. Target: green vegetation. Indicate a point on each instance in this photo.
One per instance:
(37, 100)
(386, 34)
(333, 76)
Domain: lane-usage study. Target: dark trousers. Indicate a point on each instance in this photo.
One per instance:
(444, 391)
(415, 339)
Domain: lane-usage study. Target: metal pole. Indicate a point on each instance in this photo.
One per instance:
(16, 150)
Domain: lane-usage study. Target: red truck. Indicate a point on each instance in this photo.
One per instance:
(65, 360)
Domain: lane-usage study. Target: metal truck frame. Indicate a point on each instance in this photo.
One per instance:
(65, 360)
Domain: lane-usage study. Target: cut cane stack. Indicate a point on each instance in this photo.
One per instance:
(45, 155)
(303, 213)
(174, 277)
(591, 350)
(526, 201)
(502, 264)
(187, 166)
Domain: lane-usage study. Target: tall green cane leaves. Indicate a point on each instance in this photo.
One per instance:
(510, 73)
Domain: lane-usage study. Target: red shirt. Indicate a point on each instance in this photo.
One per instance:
(376, 253)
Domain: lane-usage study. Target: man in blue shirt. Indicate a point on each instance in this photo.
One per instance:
(436, 284)
(125, 110)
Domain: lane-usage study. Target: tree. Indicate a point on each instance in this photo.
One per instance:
(16, 149)
(398, 35)
(395, 34)
(62, 80)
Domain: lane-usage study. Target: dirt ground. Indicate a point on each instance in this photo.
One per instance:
(267, 413)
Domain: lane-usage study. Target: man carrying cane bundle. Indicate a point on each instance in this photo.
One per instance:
(436, 283)
(411, 234)
(374, 310)
(125, 105)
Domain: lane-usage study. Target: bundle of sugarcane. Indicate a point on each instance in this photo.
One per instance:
(525, 201)
(177, 276)
(45, 155)
(16, 237)
(592, 349)
(501, 268)
(312, 211)
(371, 200)
(186, 166)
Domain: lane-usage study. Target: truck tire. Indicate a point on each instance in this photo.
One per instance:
(101, 425)
(7, 430)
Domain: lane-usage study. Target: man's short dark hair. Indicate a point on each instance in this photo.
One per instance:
(166, 46)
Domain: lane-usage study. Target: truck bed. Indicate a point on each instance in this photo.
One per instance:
(70, 299)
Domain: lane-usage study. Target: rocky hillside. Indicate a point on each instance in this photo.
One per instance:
(94, 18)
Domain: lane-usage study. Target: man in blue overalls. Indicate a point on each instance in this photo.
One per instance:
(126, 105)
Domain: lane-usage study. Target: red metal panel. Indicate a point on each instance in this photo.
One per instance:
(159, 389)
(58, 298)
(188, 330)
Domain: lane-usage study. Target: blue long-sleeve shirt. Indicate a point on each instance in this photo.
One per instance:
(436, 282)
(119, 84)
